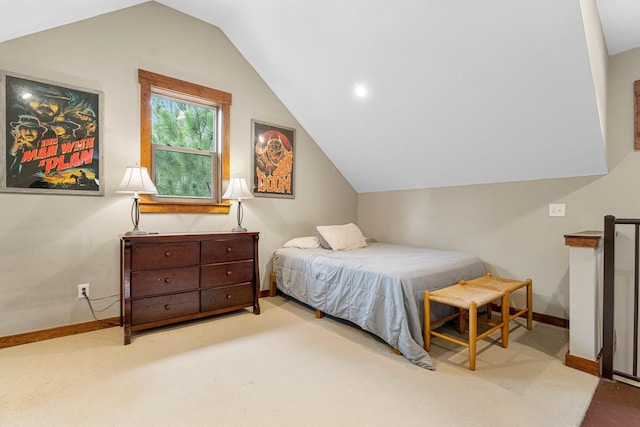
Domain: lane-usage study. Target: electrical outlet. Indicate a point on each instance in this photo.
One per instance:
(557, 209)
(85, 288)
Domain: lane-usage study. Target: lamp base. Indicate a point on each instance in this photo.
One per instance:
(135, 232)
(238, 229)
(135, 218)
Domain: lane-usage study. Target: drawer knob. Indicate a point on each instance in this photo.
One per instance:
(167, 307)
(228, 296)
(167, 279)
(229, 273)
(228, 250)
(167, 254)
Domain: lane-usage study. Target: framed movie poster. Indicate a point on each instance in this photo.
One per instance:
(636, 114)
(50, 137)
(273, 160)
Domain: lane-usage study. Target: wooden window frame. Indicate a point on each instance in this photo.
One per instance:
(164, 85)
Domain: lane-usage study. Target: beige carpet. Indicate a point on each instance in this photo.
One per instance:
(286, 368)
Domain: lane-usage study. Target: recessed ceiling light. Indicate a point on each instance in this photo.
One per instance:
(360, 90)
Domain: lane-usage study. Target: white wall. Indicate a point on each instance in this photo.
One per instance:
(508, 224)
(624, 69)
(50, 244)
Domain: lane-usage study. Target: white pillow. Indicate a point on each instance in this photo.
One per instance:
(341, 237)
(309, 242)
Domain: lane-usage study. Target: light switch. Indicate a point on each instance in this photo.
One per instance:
(556, 209)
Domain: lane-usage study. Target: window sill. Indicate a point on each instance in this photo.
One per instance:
(160, 207)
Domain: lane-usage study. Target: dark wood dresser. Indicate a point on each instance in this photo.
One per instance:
(169, 278)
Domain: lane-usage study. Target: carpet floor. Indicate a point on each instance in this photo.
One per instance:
(284, 367)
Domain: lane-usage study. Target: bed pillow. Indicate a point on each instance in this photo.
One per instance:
(309, 242)
(341, 237)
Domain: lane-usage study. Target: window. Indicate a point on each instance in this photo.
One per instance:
(184, 143)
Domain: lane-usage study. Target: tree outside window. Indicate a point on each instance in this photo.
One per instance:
(184, 144)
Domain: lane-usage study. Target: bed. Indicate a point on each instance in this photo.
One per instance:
(379, 287)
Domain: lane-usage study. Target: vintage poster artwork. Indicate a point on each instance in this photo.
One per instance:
(273, 160)
(51, 138)
(636, 114)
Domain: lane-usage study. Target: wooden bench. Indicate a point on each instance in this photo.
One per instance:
(465, 298)
(507, 286)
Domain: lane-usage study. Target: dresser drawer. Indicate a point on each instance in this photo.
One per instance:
(164, 280)
(164, 307)
(227, 273)
(146, 256)
(227, 296)
(226, 249)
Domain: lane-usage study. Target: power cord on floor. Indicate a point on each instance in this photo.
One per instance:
(94, 311)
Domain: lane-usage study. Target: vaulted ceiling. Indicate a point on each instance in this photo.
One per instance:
(455, 93)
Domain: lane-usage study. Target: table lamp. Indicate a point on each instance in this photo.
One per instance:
(239, 190)
(136, 181)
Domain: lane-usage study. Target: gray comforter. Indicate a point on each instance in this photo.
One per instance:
(379, 288)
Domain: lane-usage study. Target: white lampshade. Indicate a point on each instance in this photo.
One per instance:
(237, 189)
(136, 180)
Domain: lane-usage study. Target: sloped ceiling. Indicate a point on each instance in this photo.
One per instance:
(458, 93)
(620, 24)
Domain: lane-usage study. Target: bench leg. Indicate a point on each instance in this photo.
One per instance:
(427, 321)
(505, 320)
(529, 304)
(473, 334)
